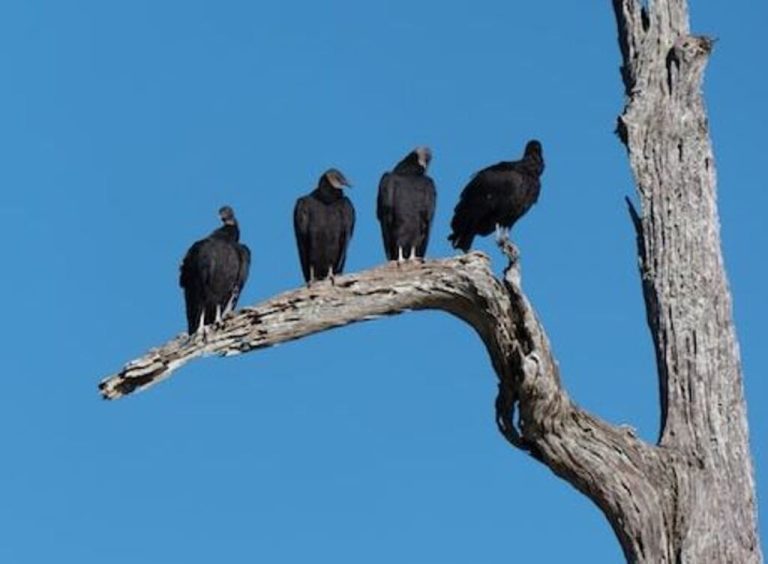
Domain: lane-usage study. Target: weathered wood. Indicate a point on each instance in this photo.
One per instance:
(608, 463)
(703, 415)
(454, 285)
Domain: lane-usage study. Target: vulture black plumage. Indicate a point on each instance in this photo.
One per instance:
(406, 205)
(324, 221)
(497, 197)
(213, 273)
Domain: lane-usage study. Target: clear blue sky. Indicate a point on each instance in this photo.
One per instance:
(125, 125)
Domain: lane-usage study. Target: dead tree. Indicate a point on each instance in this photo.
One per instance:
(691, 496)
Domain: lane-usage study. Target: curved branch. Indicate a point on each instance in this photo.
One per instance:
(609, 464)
(463, 286)
(626, 477)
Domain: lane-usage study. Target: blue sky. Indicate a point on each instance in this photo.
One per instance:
(125, 125)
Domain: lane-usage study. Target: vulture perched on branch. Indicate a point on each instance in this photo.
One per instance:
(497, 197)
(406, 205)
(213, 273)
(323, 221)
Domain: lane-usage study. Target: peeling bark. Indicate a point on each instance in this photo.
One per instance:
(690, 498)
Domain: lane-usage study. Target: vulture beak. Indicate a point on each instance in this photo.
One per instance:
(338, 180)
(424, 155)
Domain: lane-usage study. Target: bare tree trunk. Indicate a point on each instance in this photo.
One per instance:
(703, 413)
(691, 497)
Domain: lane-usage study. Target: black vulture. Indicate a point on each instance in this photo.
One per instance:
(406, 205)
(324, 220)
(497, 197)
(213, 273)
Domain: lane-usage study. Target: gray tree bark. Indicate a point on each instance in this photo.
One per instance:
(664, 126)
(691, 496)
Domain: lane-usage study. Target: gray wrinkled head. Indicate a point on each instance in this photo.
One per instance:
(336, 179)
(533, 147)
(424, 154)
(227, 215)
